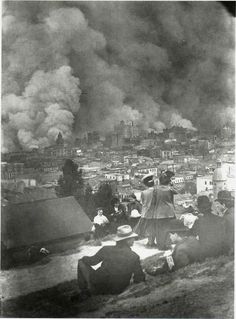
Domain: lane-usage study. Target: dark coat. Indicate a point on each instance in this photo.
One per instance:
(118, 217)
(119, 263)
(211, 231)
(158, 202)
(134, 205)
(187, 251)
(229, 228)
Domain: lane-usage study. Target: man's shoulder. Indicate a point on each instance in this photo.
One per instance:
(134, 255)
(216, 218)
(148, 191)
(211, 219)
(230, 211)
(107, 249)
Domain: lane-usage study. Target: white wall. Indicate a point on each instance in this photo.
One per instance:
(204, 184)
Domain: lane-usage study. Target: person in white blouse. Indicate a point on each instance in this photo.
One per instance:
(100, 223)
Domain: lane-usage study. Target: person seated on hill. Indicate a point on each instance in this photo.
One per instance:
(134, 210)
(134, 204)
(100, 224)
(118, 214)
(225, 198)
(119, 265)
(210, 242)
(209, 228)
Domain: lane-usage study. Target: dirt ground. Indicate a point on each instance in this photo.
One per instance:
(200, 290)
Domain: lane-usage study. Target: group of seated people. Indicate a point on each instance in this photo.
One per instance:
(210, 236)
(119, 215)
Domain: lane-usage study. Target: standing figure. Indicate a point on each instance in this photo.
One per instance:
(158, 210)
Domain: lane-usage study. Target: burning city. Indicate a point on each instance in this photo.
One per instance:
(117, 159)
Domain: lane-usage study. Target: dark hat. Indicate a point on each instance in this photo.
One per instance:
(99, 208)
(148, 180)
(133, 196)
(115, 200)
(224, 196)
(165, 177)
(169, 174)
(203, 203)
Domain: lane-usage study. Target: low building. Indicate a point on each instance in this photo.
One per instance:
(41, 221)
(59, 151)
(188, 177)
(204, 184)
(19, 192)
(146, 143)
(178, 179)
(117, 177)
(166, 154)
(146, 170)
(11, 170)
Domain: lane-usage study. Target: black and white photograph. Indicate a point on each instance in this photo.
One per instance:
(117, 159)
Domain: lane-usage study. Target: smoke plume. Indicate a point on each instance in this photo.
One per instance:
(71, 67)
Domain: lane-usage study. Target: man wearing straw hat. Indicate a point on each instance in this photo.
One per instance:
(119, 265)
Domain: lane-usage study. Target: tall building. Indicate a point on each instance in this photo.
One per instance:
(59, 140)
(127, 130)
(219, 179)
(93, 137)
(117, 140)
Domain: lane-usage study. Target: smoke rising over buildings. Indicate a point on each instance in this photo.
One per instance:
(75, 66)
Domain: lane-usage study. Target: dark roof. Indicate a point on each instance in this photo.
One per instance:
(41, 221)
(29, 194)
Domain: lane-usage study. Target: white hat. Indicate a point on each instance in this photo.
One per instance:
(124, 232)
(134, 213)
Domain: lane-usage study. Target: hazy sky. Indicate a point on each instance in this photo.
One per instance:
(78, 66)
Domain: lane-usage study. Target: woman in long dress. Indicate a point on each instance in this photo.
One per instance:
(157, 210)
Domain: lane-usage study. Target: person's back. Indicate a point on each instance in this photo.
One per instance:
(164, 206)
(118, 265)
(186, 251)
(210, 229)
(229, 229)
(226, 200)
(146, 199)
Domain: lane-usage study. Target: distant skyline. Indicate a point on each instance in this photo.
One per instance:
(72, 67)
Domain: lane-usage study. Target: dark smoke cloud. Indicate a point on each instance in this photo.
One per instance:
(77, 66)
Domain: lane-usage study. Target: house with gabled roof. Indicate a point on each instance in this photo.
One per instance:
(42, 221)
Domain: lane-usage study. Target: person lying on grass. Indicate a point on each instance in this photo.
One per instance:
(207, 240)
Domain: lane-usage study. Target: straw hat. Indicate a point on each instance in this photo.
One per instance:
(124, 232)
